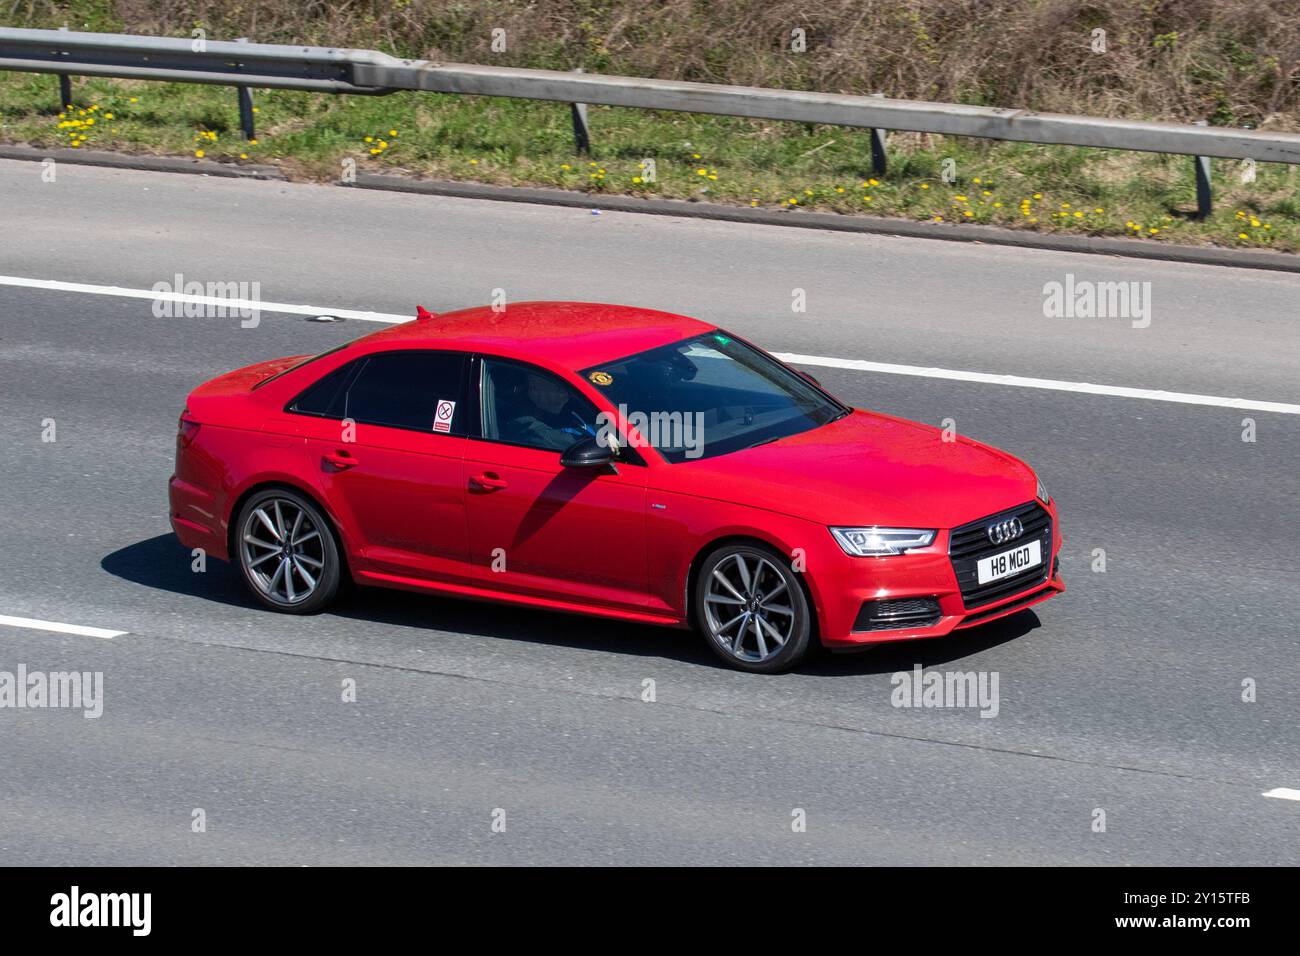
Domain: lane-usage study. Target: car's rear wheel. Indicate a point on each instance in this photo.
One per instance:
(752, 609)
(287, 552)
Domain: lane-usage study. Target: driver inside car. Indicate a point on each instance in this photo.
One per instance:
(543, 414)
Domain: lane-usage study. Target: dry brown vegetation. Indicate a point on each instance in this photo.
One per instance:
(1233, 62)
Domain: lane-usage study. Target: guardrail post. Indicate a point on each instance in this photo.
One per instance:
(245, 105)
(1204, 195)
(65, 87)
(878, 160)
(879, 163)
(581, 131)
(246, 113)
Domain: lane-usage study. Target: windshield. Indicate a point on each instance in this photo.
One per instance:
(711, 395)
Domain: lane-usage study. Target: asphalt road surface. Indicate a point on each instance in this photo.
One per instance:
(1123, 697)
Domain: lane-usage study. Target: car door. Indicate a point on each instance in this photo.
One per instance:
(386, 438)
(536, 527)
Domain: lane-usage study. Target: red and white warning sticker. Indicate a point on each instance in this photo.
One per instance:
(442, 417)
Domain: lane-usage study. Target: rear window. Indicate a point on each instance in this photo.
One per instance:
(297, 365)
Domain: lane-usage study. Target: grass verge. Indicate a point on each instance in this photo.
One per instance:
(671, 155)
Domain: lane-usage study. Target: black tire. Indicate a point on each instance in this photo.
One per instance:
(310, 555)
(762, 595)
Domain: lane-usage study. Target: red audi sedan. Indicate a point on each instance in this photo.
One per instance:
(607, 460)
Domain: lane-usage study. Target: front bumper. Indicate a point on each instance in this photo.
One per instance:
(855, 611)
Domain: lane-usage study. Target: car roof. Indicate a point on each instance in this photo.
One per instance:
(573, 335)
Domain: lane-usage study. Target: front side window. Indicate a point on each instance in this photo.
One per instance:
(522, 405)
(710, 395)
(406, 390)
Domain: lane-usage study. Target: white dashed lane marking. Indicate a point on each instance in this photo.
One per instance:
(80, 630)
(1283, 793)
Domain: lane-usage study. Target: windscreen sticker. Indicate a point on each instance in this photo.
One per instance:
(601, 378)
(442, 417)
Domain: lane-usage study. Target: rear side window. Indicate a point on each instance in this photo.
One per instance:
(325, 398)
(409, 389)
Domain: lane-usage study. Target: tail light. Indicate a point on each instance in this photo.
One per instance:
(186, 429)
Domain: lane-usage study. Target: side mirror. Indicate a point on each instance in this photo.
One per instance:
(587, 453)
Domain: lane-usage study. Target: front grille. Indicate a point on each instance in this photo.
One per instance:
(969, 543)
(897, 615)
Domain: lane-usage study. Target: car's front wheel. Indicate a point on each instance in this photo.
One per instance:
(752, 609)
(286, 550)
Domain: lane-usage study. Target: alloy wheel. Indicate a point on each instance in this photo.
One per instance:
(747, 607)
(283, 551)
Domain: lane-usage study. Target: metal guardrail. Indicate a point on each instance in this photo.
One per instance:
(330, 70)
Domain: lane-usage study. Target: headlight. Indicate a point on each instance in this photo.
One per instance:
(1042, 492)
(868, 542)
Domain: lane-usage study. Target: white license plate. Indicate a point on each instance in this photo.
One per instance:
(1008, 563)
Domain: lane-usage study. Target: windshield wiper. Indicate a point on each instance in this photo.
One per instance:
(765, 441)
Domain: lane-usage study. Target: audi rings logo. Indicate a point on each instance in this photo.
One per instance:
(1000, 532)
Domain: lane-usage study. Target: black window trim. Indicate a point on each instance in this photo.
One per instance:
(360, 362)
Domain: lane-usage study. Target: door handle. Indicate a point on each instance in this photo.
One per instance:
(489, 480)
(340, 460)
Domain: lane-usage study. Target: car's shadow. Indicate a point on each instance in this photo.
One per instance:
(162, 563)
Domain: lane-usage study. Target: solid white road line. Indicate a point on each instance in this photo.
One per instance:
(77, 629)
(859, 365)
(1087, 388)
(1283, 793)
(229, 304)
